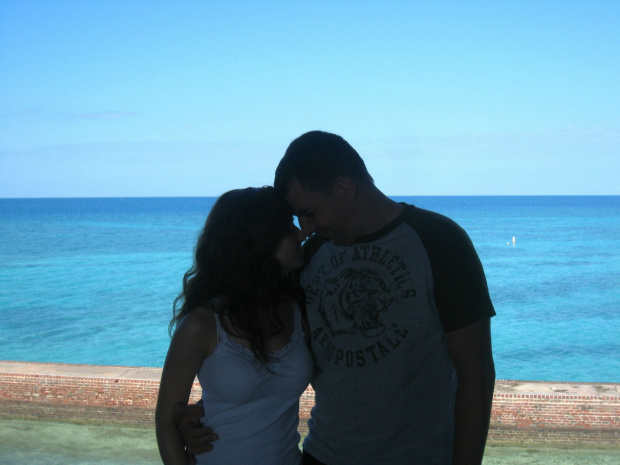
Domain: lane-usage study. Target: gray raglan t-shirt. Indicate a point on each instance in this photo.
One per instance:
(378, 311)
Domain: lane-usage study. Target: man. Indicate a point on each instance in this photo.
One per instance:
(399, 315)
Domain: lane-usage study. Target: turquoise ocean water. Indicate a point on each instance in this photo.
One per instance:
(92, 280)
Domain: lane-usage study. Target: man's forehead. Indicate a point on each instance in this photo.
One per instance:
(301, 204)
(299, 197)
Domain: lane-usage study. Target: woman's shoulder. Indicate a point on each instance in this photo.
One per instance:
(201, 317)
(200, 327)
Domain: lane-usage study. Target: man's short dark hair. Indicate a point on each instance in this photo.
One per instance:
(316, 159)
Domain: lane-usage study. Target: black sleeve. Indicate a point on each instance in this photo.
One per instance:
(459, 285)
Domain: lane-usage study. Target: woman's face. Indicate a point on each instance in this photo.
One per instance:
(288, 253)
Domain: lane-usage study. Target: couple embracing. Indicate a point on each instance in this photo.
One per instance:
(384, 309)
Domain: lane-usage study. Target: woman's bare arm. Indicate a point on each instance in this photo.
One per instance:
(193, 340)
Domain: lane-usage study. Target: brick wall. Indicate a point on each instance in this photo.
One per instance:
(74, 395)
(524, 412)
(565, 415)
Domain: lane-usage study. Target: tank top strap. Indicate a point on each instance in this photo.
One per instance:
(224, 337)
(220, 333)
(226, 340)
(219, 329)
(296, 317)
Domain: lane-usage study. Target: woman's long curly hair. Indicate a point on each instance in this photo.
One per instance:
(234, 263)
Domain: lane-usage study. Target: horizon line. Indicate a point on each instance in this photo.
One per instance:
(121, 197)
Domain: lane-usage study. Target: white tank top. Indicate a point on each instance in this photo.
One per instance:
(254, 411)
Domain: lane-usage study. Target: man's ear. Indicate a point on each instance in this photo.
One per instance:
(345, 186)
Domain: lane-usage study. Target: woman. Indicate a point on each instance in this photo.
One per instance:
(238, 327)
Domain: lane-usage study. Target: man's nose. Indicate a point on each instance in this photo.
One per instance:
(299, 235)
(307, 227)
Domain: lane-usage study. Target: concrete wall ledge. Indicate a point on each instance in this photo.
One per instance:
(80, 371)
(523, 411)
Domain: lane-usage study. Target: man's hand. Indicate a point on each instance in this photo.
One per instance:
(471, 353)
(197, 438)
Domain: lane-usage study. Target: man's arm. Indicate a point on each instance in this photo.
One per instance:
(471, 353)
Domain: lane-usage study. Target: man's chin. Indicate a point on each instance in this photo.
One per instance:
(334, 238)
(340, 241)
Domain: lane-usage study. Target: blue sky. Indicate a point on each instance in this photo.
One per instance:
(193, 98)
